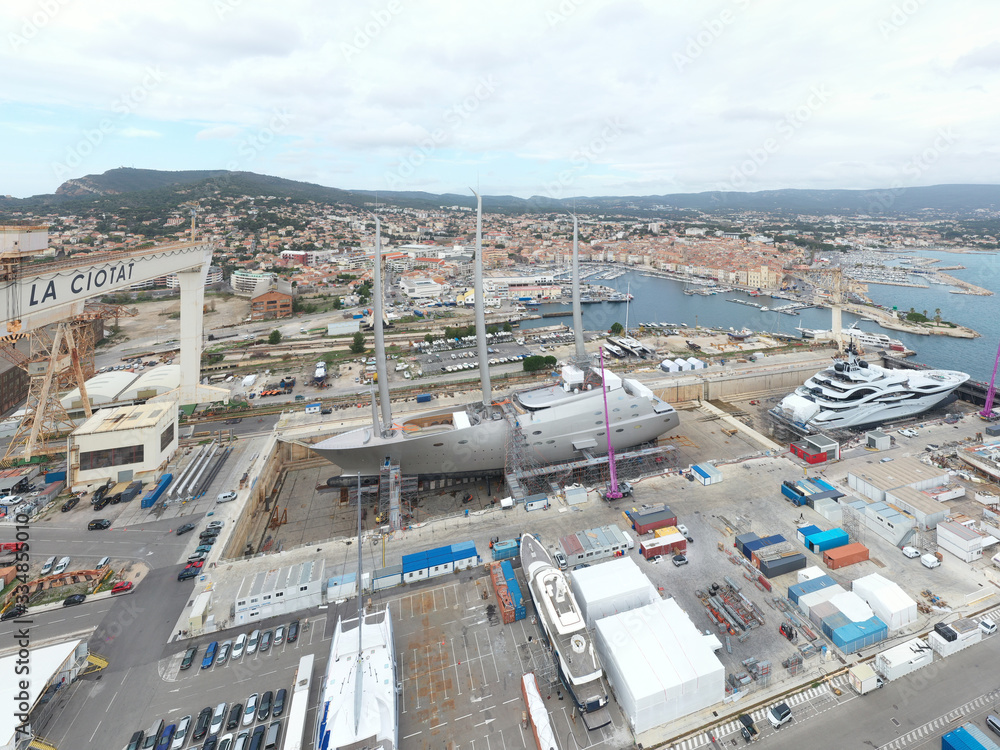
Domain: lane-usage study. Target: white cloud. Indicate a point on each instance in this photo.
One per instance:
(139, 133)
(695, 86)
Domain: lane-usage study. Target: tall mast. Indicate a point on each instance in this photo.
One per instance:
(581, 353)
(987, 412)
(613, 493)
(358, 671)
(380, 365)
(484, 364)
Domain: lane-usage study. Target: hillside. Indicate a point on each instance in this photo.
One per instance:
(154, 191)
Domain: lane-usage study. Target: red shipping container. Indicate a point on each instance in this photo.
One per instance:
(849, 554)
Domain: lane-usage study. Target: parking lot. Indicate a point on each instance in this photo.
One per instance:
(461, 668)
(184, 692)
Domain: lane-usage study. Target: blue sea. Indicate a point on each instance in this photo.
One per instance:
(662, 300)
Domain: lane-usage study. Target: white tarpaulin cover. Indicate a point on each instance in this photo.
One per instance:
(544, 736)
(610, 588)
(852, 606)
(888, 601)
(661, 666)
(808, 601)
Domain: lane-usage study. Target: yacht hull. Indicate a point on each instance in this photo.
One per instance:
(445, 441)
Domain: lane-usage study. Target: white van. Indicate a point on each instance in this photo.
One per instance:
(929, 561)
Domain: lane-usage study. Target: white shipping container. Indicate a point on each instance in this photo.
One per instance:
(903, 659)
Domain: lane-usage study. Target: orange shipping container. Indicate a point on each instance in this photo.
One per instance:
(846, 555)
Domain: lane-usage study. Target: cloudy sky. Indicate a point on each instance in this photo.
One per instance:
(526, 97)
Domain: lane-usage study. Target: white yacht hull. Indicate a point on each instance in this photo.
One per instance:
(439, 442)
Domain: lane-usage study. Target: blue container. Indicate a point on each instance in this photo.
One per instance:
(514, 589)
(506, 549)
(805, 532)
(414, 562)
(828, 540)
(154, 494)
(967, 737)
(807, 587)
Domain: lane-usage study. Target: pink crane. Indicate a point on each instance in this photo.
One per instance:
(614, 492)
(987, 412)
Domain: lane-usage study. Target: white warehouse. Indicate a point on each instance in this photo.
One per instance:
(280, 591)
(118, 444)
(660, 665)
(611, 588)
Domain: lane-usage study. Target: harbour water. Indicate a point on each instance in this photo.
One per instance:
(658, 300)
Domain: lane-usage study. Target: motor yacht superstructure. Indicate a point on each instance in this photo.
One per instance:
(854, 393)
(579, 666)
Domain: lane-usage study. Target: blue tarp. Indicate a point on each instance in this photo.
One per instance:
(858, 635)
(808, 587)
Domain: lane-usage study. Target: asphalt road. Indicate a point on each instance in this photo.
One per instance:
(912, 712)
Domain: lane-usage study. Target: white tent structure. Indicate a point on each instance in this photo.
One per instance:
(152, 383)
(661, 666)
(852, 606)
(611, 588)
(888, 601)
(101, 389)
(810, 600)
(668, 365)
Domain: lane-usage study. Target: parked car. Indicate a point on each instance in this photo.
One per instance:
(235, 714)
(561, 560)
(988, 627)
(209, 534)
(188, 659)
(71, 601)
(70, 504)
(929, 561)
(250, 710)
(99, 524)
(122, 586)
(779, 715)
(152, 735)
(224, 648)
(279, 703)
(185, 528)
(13, 612)
(201, 727)
(195, 557)
(293, 631)
(103, 562)
(166, 738)
(279, 635)
(679, 560)
(257, 738)
(911, 552)
(226, 497)
(265, 640)
(216, 525)
(209, 659)
(218, 718)
(180, 734)
(252, 643)
(187, 574)
(655, 559)
(211, 743)
(264, 710)
(242, 740)
(136, 741)
(61, 566)
(47, 566)
(239, 645)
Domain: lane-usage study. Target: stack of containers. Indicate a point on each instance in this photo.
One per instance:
(502, 592)
(805, 532)
(741, 541)
(513, 589)
(825, 540)
(889, 602)
(947, 639)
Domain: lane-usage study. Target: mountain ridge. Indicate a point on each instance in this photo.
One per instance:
(132, 188)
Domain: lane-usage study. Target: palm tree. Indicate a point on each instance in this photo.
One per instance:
(937, 315)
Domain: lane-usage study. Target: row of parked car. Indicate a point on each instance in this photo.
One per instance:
(223, 718)
(197, 559)
(219, 653)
